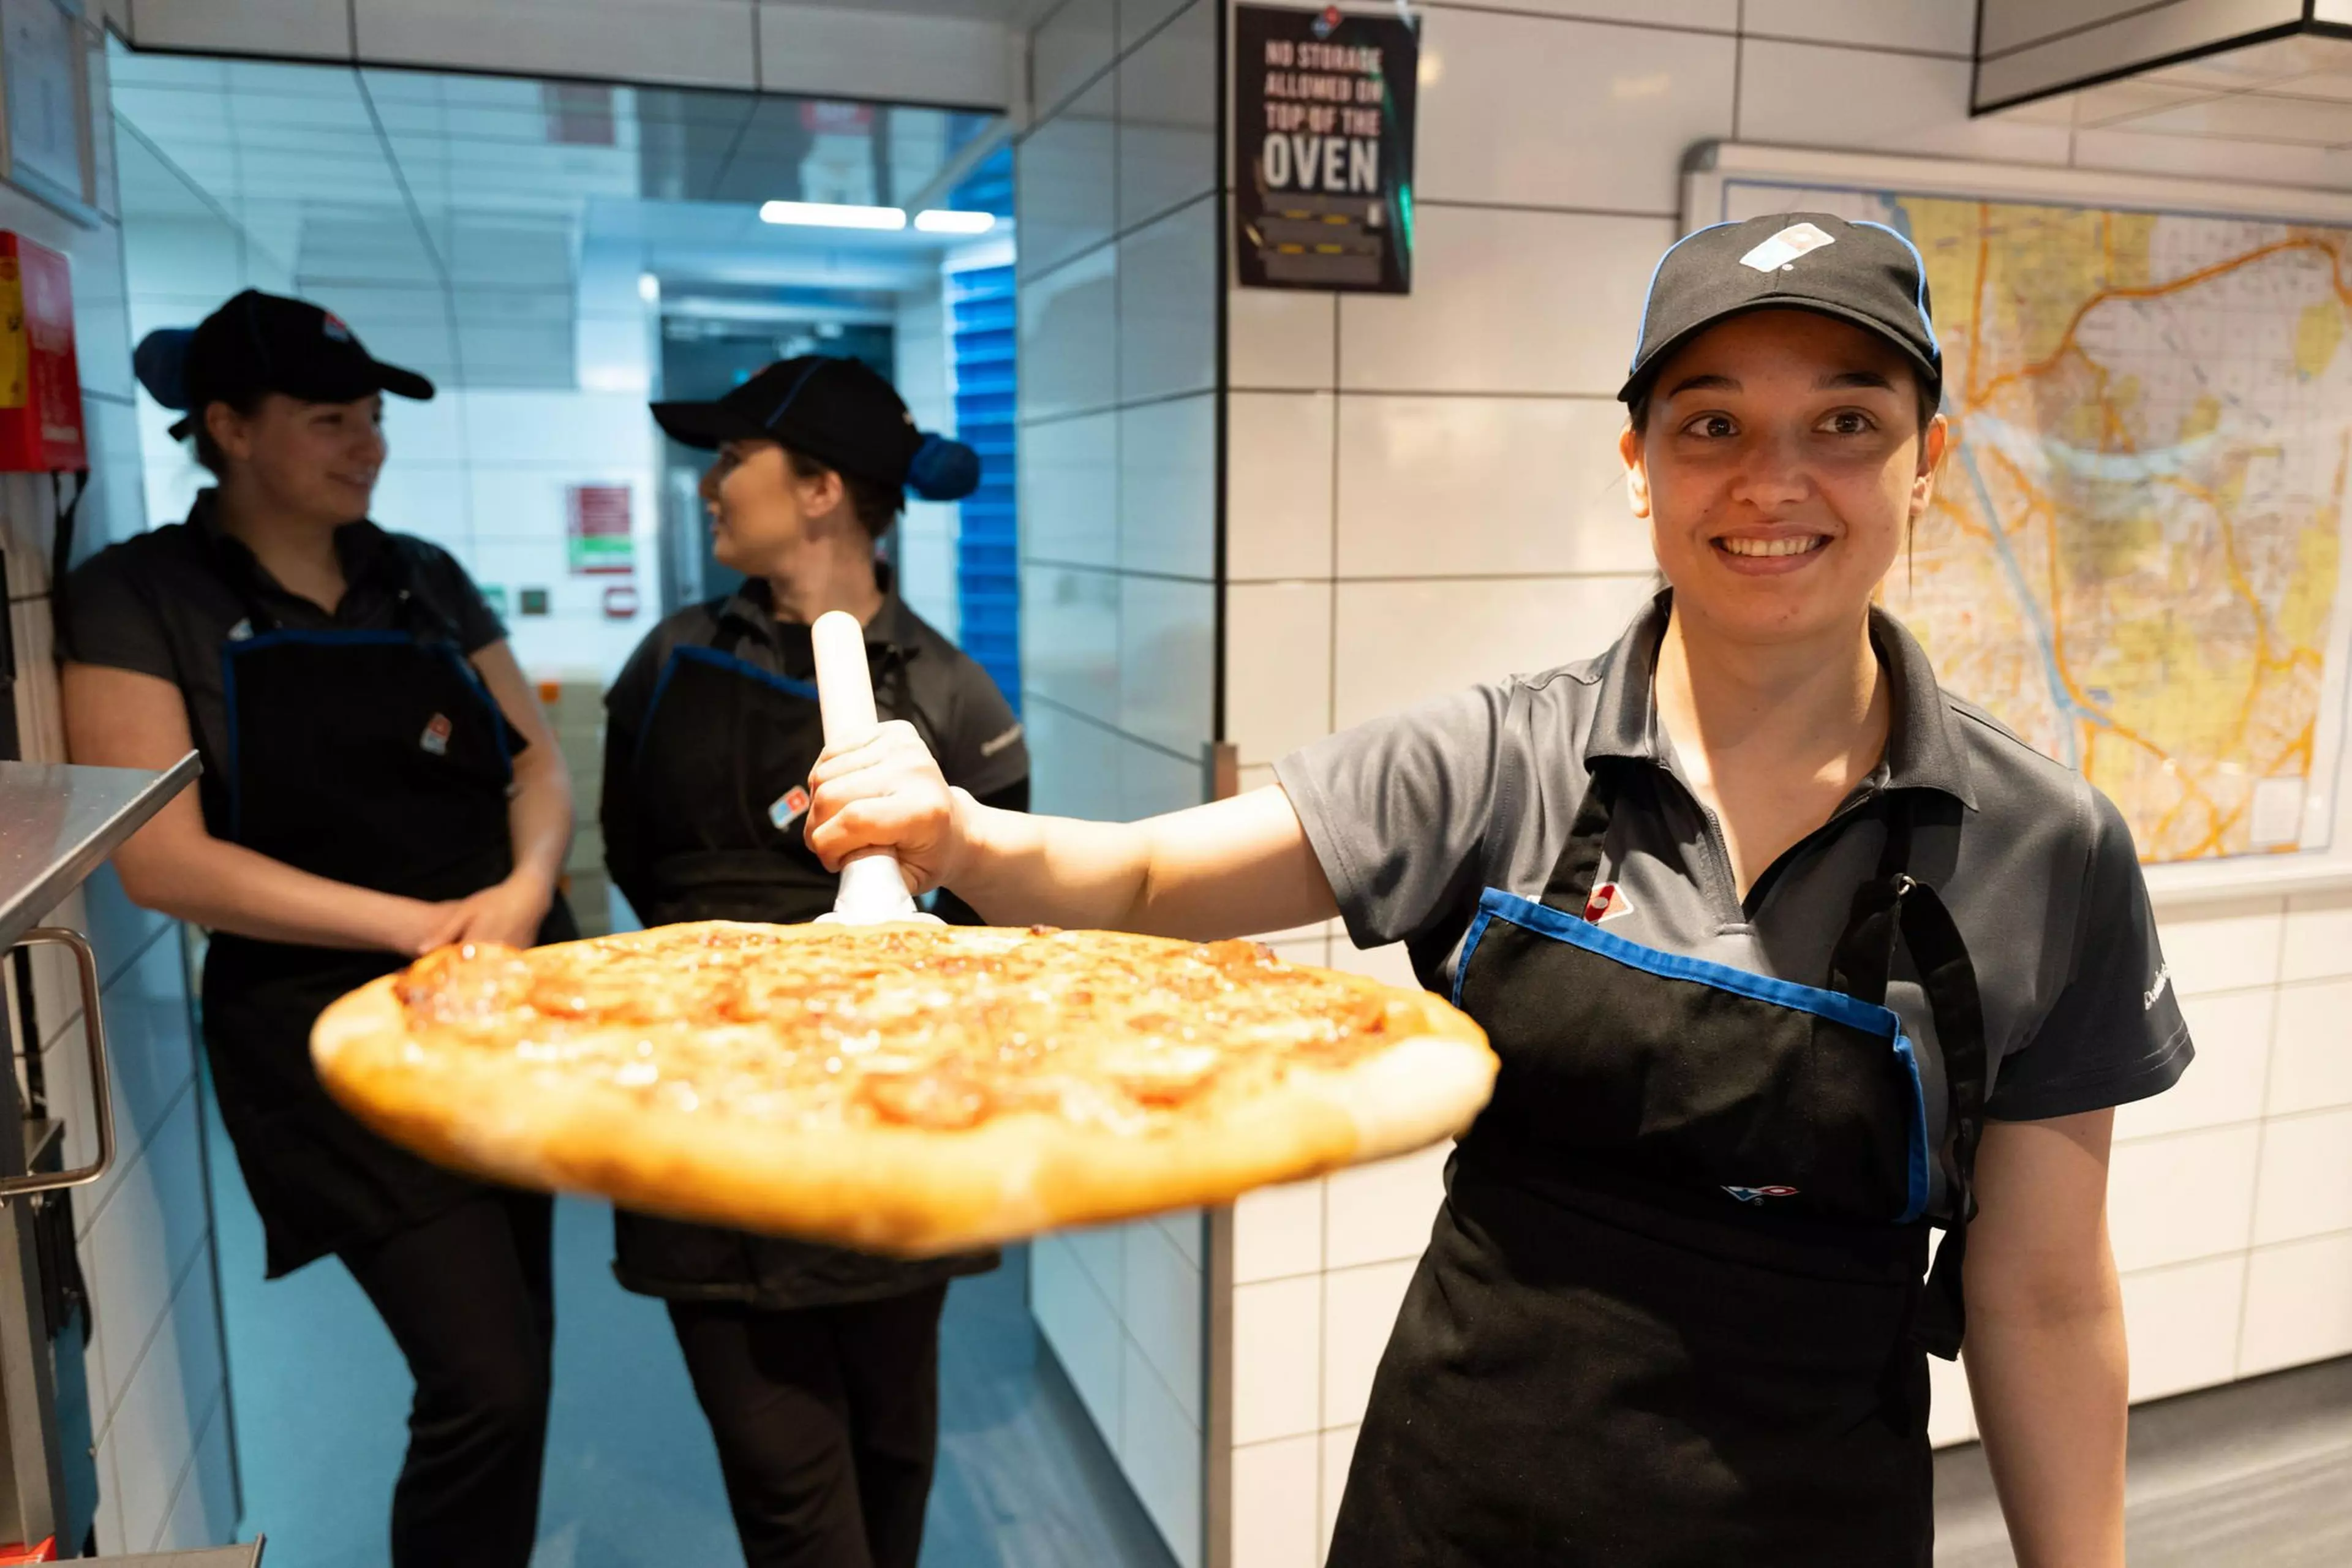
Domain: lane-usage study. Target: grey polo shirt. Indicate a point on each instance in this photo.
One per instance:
(1411, 816)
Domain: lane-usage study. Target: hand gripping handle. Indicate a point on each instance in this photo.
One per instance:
(872, 888)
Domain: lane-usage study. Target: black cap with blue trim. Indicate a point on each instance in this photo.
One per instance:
(1860, 272)
(258, 344)
(838, 412)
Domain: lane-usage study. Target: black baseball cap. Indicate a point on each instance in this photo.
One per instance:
(838, 410)
(1860, 272)
(258, 344)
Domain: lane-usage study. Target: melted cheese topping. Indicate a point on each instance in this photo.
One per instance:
(929, 1026)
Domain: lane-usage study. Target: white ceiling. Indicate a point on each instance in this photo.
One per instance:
(2293, 90)
(452, 216)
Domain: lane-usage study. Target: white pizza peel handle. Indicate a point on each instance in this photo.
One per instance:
(872, 890)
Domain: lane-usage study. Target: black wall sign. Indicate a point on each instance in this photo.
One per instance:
(1323, 108)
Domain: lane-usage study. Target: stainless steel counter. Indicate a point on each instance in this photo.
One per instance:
(57, 822)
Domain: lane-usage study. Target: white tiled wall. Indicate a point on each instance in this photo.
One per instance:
(157, 1388)
(1118, 443)
(1422, 492)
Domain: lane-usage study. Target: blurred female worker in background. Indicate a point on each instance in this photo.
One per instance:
(817, 1367)
(1788, 955)
(379, 780)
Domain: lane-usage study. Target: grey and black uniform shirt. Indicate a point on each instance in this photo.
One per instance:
(934, 685)
(1414, 815)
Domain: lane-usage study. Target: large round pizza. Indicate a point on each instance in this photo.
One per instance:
(908, 1088)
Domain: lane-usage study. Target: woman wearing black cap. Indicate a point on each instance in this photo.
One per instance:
(1788, 955)
(378, 780)
(818, 1368)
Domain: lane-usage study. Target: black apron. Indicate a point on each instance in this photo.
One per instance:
(373, 757)
(720, 771)
(1672, 1312)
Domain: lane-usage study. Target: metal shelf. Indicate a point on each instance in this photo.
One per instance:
(57, 822)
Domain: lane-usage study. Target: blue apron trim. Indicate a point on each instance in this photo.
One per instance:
(325, 637)
(1916, 1177)
(1835, 1005)
(725, 661)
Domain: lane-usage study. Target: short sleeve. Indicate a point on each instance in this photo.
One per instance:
(1397, 810)
(984, 750)
(2115, 1032)
(111, 619)
(456, 596)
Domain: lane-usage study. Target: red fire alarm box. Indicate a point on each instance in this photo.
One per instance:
(40, 389)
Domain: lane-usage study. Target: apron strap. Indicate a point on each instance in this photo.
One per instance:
(1892, 903)
(1950, 982)
(1570, 889)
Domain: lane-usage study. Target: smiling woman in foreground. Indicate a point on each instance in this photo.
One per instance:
(1791, 959)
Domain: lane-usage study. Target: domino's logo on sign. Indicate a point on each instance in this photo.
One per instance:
(1780, 252)
(787, 807)
(1758, 1195)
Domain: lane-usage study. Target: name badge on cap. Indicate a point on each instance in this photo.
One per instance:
(1786, 246)
(787, 807)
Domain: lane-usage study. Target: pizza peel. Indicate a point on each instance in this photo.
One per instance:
(873, 889)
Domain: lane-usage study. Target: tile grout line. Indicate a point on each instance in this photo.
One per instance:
(119, 1390)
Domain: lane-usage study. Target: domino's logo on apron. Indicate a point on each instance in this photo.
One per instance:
(435, 741)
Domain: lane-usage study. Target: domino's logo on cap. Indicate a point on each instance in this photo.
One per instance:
(1861, 272)
(1780, 253)
(333, 326)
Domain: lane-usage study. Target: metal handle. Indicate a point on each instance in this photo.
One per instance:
(93, 1034)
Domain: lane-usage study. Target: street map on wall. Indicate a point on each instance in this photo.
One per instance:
(2135, 554)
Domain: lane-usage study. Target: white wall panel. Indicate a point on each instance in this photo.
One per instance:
(690, 42)
(1534, 112)
(1495, 307)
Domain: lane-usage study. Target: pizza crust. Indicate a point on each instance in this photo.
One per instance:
(882, 1187)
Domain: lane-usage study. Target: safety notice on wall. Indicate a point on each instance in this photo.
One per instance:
(1323, 108)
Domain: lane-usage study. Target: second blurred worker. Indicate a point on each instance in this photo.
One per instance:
(818, 1368)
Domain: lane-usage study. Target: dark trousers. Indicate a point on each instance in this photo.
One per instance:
(826, 1420)
(469, 1296)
